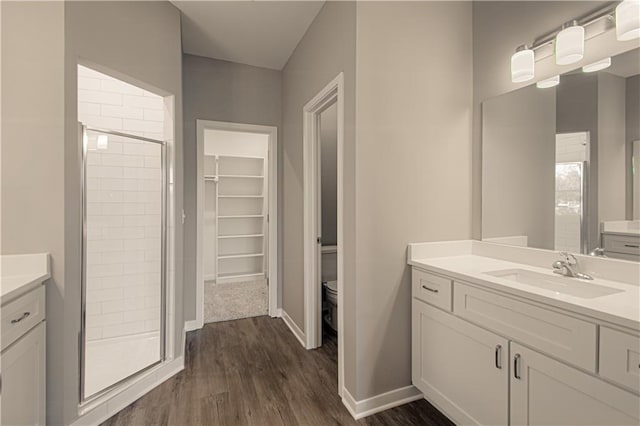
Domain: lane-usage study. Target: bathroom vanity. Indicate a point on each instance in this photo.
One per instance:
(621, 239)
(498, 338)
(23, 359)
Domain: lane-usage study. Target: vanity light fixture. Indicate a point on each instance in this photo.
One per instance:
(598, 65)
(522, 64)
(628, 20)
(549, 82)
(568, 40)
(103, 142)
(570, 44)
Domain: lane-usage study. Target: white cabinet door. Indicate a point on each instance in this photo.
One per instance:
(23, 380)
(461, 368)
(547, 392)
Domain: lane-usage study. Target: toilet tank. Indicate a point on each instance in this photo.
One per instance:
(329, 263)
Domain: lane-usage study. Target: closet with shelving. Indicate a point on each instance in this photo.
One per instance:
(235, 218)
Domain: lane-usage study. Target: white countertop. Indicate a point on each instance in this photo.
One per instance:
(619, 308)
(626, 227)
(20, 274)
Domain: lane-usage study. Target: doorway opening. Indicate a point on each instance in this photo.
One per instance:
(323, 129)
(571, 180)
(236, 235)
(328, 141)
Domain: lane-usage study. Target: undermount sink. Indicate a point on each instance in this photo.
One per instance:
(559, 284)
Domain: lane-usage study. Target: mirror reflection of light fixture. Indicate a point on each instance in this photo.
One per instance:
(570, 44)
(549, 82)
(628, 20)
(522, 64)
(598, 65)
(103, 142)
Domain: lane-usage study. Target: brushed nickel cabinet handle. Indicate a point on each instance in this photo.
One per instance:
(516, 367)
(432, 290)
(499, 357)
(17, 320)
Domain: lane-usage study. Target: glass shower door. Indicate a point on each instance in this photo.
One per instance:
(123, 276)
(569, 206)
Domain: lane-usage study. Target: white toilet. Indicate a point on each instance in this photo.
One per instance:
(330, 289)
(330, 286)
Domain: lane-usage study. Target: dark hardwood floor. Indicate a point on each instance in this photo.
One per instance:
(254, 372)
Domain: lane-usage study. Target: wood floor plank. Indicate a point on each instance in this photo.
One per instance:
(255, 372)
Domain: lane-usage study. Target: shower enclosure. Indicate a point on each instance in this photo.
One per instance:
(124, 181)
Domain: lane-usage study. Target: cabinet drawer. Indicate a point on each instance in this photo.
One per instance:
(620, 358)
(432, 289)
(22, 314)
(559, 335)
(621, 244)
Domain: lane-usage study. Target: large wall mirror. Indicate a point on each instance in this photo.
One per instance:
(561, 165)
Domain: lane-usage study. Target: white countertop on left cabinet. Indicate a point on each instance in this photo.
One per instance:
(21, 273)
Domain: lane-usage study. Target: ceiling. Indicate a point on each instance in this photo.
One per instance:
(259, 33)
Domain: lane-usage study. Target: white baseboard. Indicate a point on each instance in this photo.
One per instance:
(193, 325)
(349, 401)
(277, 313)
(99, 411)
(446, 406)
(294, 328)
(378, 403)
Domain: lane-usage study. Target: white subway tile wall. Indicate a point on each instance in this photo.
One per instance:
(124, 207)
(108, 103)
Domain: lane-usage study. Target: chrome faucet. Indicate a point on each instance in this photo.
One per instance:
(568, 267)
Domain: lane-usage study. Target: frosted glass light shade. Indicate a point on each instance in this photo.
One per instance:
(522, 65)
(549, 82)
(570, 45)
(598, 65)
(628, 20)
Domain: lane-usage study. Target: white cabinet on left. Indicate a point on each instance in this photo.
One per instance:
(23, 340)
(23, 379)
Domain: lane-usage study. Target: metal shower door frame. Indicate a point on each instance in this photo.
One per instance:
(83, 130)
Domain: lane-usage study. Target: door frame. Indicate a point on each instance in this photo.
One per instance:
(272, 265)
(332, 93)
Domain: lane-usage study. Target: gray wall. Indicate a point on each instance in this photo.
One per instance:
(221, 91)
(329, 174)
(327, 48)
(406, 137)
(611, 147)
(413, 166)
(498, 28)
(633, 108)
(41, 46)
(518, 166)
(632, 133)
(33, 135)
